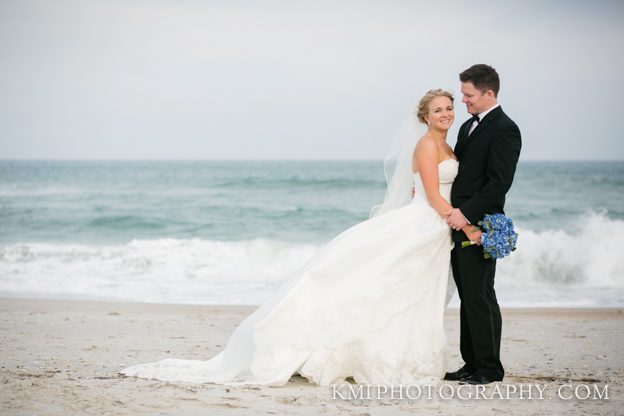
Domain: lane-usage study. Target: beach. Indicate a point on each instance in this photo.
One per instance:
(62, 357)
(166, 167)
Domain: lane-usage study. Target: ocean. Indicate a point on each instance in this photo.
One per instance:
(230, 232)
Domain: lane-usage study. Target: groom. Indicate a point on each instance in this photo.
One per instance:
(488, 147)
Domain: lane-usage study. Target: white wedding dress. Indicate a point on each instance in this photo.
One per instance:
(369, 305)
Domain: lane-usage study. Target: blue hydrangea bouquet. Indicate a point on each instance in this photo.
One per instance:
(499, 237)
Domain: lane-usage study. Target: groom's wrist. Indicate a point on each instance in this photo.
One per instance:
(462, 214)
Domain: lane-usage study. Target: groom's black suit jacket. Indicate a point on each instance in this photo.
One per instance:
(487, 164)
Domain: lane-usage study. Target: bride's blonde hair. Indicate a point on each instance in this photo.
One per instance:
(423, 104)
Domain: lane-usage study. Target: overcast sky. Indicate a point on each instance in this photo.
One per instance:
(184, 79)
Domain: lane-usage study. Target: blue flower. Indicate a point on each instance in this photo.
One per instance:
(499, 237)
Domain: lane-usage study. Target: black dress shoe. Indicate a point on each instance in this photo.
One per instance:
(476, 378)
(458, 375)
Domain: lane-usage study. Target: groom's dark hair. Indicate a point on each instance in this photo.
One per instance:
(483, 77)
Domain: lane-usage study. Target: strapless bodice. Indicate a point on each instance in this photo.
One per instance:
(447, 170)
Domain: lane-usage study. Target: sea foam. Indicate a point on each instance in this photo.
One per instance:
(549, 268)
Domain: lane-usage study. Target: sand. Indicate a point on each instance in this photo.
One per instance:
(63, 357)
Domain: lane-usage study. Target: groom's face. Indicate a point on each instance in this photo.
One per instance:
(476, 101)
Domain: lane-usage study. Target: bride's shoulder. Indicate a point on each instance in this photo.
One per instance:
(425, 153)
(426, 144)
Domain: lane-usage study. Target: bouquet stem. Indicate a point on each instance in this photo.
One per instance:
(465, 244)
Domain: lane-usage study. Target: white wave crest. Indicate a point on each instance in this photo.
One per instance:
(589, 256)
(549, 268)
(163, 270)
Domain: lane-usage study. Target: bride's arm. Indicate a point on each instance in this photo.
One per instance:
(426, 158)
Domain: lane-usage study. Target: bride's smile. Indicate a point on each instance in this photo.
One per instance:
(441, 114)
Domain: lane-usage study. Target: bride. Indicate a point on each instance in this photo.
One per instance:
(370, 304)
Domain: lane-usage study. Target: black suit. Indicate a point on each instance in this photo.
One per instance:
(487, 164)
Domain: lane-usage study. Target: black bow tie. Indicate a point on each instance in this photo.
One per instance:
(475, 118)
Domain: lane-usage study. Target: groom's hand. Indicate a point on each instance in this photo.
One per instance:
(473, 233)
(456, 220)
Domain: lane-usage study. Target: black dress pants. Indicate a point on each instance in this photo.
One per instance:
(481, 322)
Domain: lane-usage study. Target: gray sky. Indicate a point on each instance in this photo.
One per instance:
(111, 79)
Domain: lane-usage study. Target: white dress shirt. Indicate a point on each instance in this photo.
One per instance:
(481, 115)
